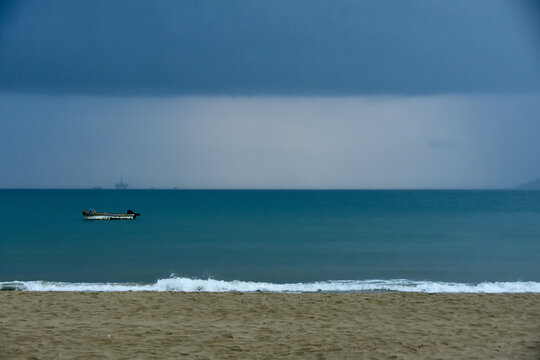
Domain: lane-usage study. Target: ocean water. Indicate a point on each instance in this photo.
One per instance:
(199, 240)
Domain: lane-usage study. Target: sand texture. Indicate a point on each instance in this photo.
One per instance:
(268, 326)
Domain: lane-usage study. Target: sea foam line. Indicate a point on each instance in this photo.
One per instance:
(211, 285)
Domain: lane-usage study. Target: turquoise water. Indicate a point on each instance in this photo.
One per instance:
(277, 237)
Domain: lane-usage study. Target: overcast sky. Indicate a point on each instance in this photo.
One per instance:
(275, 94)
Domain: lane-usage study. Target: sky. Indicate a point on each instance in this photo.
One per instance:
(269, 94)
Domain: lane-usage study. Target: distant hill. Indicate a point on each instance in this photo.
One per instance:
(533, 185)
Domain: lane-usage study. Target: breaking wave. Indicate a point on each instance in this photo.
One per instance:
(212, 285)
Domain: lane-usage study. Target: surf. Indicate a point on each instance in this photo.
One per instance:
(185, 284)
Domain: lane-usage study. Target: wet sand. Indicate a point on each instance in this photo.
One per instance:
(268, 326)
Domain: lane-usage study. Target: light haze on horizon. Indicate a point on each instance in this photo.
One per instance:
(302, 94)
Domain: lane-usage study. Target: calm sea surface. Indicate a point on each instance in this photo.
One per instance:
(277, 237)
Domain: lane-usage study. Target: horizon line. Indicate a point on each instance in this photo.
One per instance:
(270, 189)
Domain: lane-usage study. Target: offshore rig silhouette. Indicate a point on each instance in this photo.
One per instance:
(121, 185)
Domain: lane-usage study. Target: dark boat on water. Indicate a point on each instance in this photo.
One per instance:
(94, 215)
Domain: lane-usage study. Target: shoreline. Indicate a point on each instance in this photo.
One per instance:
(185, 284)
(124, 325)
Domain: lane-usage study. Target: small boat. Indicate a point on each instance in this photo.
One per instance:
(94, 215)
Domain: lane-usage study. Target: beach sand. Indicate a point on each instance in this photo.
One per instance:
(131, 325)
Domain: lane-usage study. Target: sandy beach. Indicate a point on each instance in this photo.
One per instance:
(132, 325)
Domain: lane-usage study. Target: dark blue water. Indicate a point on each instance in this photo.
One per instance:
(272, 236)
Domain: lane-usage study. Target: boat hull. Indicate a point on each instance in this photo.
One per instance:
(89, 215)
(109, 217)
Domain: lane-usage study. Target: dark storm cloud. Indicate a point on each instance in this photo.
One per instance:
(306, 47)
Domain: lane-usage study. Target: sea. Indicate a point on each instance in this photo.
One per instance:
(272, 241)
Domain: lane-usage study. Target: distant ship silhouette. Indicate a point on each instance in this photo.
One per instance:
(121, 185)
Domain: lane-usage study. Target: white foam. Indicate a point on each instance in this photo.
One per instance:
(212, 285)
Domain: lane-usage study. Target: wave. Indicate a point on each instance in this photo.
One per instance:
(211, 285)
